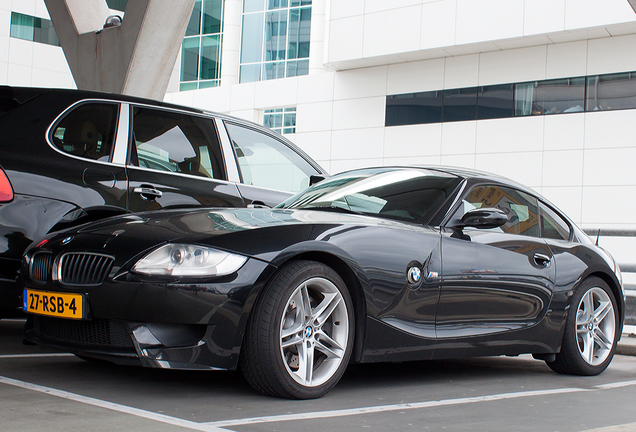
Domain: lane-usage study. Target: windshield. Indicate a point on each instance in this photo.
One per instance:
(399, 193)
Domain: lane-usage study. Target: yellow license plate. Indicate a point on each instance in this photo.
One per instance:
(60, 305)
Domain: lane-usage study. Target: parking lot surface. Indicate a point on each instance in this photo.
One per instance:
(47, 391)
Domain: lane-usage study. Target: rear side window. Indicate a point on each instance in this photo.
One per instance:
(267, 162)
(87, 131)
(176, 142)
(553, 226)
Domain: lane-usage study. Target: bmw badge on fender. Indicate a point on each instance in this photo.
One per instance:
(374, 265)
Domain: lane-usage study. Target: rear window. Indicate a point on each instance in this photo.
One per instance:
(87, 131)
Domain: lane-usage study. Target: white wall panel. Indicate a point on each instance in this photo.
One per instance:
(414, 160)
(314, 117)
(316, 88)
(610, 129)
(562, 168)
(19, 75)
(488, 20)
(276, 93)
(461, 71)
(357, 143)
(607, 206)
(520, 134)
(591, 13)
(345, 165)
(522, 64)
(459, 138)
(360, 83)
(463, 161)
(243, 96)
(5, 22)
(49, 57)
(543, 16)
(415, 77)
(567, 199)
(315, 144)
(564, 132)
(413, 140)
(359, 113)
(26, 7)
(524, 167)
(566, 60)
(348, 8)
(345, 38)
(20, 52)
(392, 31)
(371, 6)
(610, 167)
(611, 55)
(438, 24)
(215, 99)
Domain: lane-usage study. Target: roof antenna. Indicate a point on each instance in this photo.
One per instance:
(597, 236)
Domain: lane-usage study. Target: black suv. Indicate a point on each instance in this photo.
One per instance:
(69, 157)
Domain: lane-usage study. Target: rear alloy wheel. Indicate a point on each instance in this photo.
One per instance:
(300, 336)
(590, 335)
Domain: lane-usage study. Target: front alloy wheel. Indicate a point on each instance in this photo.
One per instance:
(300, 335)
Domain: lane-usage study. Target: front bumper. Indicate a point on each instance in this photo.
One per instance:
(158, 324)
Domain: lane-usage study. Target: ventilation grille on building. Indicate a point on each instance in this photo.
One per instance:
(84, 268)
(41, 267)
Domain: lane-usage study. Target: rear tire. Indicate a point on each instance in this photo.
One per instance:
(590, 336)
(300, 335)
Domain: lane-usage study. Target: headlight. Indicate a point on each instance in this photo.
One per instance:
(189, 260)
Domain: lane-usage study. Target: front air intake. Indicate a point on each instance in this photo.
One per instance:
(81, 269)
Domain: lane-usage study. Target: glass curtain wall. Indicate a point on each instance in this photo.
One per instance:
(33, 29)
(201, 48)
(275, 39)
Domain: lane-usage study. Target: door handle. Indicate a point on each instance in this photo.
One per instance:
(148, 193)
(542, 260)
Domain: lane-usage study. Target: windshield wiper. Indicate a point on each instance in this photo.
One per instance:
(336, 209)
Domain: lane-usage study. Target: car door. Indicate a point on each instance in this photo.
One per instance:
(270, 170)
(494, 280)
(94, 178)
(175, 161)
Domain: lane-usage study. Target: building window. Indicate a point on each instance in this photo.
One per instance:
(119, 5)
(281, 120)
(275, 39)
(557, 96)
(33, 29)
(201, 48)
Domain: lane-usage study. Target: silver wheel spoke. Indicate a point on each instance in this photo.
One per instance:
(602, 340)
(595, 326)
(329, 352)
(295, 340)
(323, 311)
(601, 312)
(588, 347)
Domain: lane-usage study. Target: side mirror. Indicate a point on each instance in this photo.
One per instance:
(484, 218)
(316, 178)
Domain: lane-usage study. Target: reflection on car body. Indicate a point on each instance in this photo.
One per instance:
(380, 264)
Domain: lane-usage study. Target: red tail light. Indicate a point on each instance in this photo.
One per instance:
(6, 191)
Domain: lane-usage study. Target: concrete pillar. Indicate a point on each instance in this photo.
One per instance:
(632, 3)
(317, 41)
(136, 58)
(230, 56)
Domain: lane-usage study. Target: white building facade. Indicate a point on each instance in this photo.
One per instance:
(540, 91)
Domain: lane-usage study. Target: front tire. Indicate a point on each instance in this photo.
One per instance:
(590, 337)
(300, 335)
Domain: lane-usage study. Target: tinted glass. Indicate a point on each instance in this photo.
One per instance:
(553, 226)
(176, 142)
(551, 96)
(495, 101)
(406, 194)
(87, 131)
(460, 104)
(266, 162)
(610, 92)
(521, 208)
(414, 108)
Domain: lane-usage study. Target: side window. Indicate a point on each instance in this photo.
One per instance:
(553, 226)
(88, 131)
(267, 162)
(176, 142)
(521, 208)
